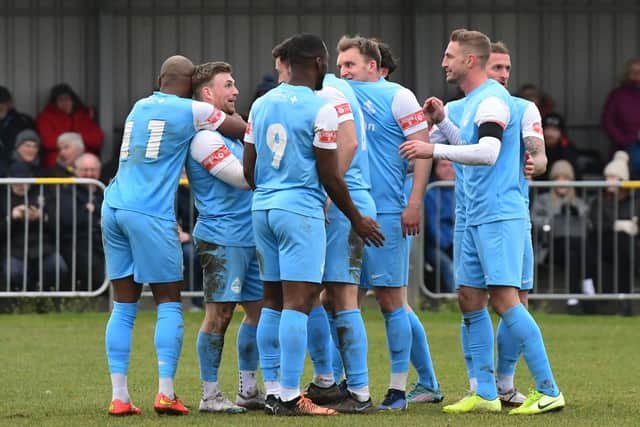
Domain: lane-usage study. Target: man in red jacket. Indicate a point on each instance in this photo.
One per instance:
(66, 113)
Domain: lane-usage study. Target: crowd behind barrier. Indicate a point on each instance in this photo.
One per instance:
(584, 236)
(51, 238)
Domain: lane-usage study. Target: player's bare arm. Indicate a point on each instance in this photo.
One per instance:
(365, 227)
(535, 147)
(249, 164)
(411, 219)
(233, 126)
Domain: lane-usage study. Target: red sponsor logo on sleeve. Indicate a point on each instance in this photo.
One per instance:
(327, 136)
(215, 116)
(537, 128)
(343, 109)
(214, 159)
(412, 120)
(248, 130)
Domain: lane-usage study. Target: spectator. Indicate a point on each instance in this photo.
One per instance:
(27, 150)
(267, 83)
(619, 227)
(439, 212)
(560, 218)
(621, 115)
(81, 236)
(70, 147)
(66, 113)
(21, 228)
(11, 124)
(543, 101)
(558, 146)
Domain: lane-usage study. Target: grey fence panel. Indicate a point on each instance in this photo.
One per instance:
(50, 263)
(592, 258)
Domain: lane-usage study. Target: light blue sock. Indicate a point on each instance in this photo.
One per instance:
(168, 338)
(508, 350)
(398, 339)
(480, 330)
(336, 357)
(118, 336)
(352, 340)
(319, 341)
(293, 347)
(525, 331)
(209, 348)
(420, 356)
(466, 349)
(247, 347)
(269, 344)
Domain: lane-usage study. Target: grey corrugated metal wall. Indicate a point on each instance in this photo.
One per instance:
(110, 51)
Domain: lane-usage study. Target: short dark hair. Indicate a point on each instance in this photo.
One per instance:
(387, 60)
(280, 50)
(499, 47)
(5, 95)
(367, 47)
(64, 89)
(303, 47)
(204, 73)
(475, 41)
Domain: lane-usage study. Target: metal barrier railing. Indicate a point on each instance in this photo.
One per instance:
(597, 260)
(58, 258)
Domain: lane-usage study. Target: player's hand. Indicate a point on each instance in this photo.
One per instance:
(327, 204)
(410, 221)
(416, 149)
(434, 109)
(369, 231)
(529, 166)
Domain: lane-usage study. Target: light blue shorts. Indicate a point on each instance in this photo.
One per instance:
(291, 247)
(386, 266)
(527, 262)
(344, 246)
(144, 246)
(230, 273)
(492, 254)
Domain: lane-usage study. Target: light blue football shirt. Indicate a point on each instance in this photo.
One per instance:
(154, 146)
(285, 125)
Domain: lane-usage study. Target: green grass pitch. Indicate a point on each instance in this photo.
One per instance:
(54, 372)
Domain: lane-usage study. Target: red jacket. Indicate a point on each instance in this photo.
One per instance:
(52, 122)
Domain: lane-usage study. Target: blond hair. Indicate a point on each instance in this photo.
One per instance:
(473, 42)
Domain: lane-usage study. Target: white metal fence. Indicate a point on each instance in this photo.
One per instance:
(585, 243)
(50, 238)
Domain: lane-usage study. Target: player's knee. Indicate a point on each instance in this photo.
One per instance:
(389, 299)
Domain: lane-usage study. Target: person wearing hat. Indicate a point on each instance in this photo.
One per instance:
(27, 150)
(558, 146)
(12, 123)
(614, 225)
(560, 217)
(65, 112)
